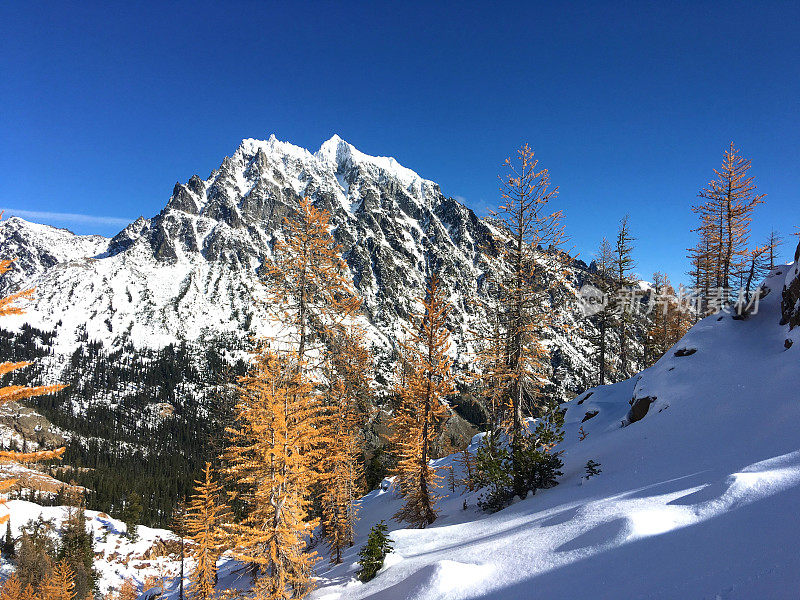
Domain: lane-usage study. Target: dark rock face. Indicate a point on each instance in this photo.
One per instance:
(639, 408)
(685, 352)
(590, 414)
(790, 301)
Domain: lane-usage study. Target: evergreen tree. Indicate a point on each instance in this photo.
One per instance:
(604, 317)
(272, 462)
(592, 468)
(372, 555)
(179, 522)
(8, 543)
(425, 381)
(623, 265)
(205, 516)
(493, 473)
(76, 551)
(537, 466)
(132, 514)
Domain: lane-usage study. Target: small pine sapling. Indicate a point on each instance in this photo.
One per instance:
(8, 551)
(451, 480)
(466, 461)
(493, 473)
(592, 468)
(374, 552)
(582, 435)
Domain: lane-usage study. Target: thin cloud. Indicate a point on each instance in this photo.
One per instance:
(481, 207)
(66, 217)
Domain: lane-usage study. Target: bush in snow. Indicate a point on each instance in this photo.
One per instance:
(493, 473)
(592, 468)
(375, 550)
(539, 469)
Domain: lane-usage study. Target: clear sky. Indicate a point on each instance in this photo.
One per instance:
(104, 105)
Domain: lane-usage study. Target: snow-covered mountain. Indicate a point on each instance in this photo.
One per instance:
(191, 272)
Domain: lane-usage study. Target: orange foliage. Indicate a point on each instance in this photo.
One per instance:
(425, 381)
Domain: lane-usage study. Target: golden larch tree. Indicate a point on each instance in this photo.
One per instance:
(205, 516)
(128, 591)
(12, 589)
(60, 585)
(273, 463)
(532, 263)
(350, 375)
(426, 380)
(669, 321)
(308, 279)
(726, 216)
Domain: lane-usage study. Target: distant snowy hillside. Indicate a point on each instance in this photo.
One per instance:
(697, 499)
(37, 248)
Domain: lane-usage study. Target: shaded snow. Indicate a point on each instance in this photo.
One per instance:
(697, 500)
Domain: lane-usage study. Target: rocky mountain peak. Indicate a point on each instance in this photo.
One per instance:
(191, 271)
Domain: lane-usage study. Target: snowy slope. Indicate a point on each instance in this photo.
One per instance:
(152, 555)
(696, 500)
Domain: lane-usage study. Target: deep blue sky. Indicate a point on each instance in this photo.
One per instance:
(103, 106)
